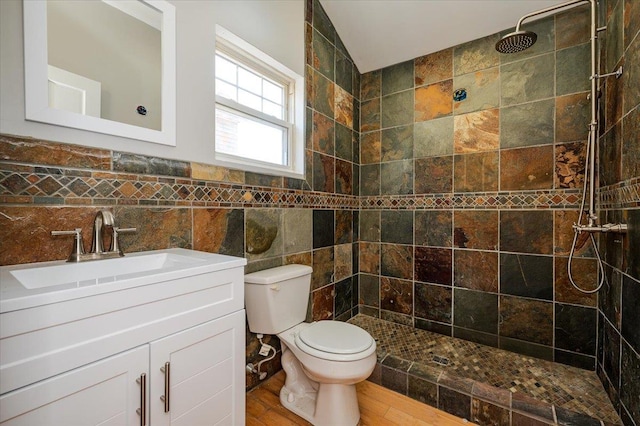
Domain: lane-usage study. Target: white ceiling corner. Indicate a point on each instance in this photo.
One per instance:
(378, 33)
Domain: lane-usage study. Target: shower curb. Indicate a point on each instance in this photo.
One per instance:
(470, 399)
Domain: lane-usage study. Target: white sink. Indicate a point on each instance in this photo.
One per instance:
(99, 271)
(23, 286)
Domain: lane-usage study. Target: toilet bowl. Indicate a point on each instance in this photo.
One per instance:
(322, 360)
(321, 377)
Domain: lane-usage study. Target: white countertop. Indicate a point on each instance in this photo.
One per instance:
(34, 284)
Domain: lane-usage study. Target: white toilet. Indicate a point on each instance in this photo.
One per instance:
(323, 360)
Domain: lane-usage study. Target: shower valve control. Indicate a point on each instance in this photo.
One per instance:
(607, 227)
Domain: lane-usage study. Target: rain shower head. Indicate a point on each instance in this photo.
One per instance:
(516, 41)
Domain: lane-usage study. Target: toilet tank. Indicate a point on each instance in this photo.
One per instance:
(276, 299)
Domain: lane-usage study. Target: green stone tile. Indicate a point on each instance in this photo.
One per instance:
(142, 164)
(396, 177)
(527, 80)
(344, 72)
(355, 189)
(259, 179)
(397, 143)
(396, 226)
(323, 94)
(397, 77)
(572, 69)
(297, 230)
(48, 200)
(433, 138)
(344, 142)
(263, 233)
(433, 228)
(322, 23)
(323, 55)
(527, 124)
(397, 109)
(370, 179)
(370, 225)
(476, 55)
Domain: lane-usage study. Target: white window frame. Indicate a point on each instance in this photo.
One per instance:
(236, 48)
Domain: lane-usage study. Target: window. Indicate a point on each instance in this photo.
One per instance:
(257, 125)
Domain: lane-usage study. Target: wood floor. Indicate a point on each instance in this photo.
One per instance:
(378, 406)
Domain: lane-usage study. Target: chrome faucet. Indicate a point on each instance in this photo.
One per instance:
(104, 219)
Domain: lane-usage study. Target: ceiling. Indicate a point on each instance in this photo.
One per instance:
(378, 33)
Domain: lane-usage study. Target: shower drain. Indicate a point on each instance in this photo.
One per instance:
(440, 360)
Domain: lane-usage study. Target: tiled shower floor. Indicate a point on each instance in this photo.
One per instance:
(561, 385)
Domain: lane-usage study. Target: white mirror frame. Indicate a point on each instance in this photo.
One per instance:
(36, 89)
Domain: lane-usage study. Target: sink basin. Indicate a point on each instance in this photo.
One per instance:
(99, 271)
(23, 286)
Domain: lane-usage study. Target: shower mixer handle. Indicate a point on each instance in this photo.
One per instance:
(620, 228)
(617, 73)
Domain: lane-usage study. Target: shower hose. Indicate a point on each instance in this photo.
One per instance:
(591, 140)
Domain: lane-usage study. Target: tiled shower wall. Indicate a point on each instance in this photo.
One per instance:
(619, 302)
(471, 167)
(271, 221)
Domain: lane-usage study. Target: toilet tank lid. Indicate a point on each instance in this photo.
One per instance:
(274, 275)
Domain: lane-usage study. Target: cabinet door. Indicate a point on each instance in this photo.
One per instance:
(102, 393)
(205, 384)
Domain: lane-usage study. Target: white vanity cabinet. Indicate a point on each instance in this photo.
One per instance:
(173, 347)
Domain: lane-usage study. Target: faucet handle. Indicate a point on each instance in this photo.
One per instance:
(76, 232)
(78, 246)
(115, 244)
(125, 230)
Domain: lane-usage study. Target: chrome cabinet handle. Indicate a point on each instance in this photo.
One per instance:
(167, 384)
(142, 411)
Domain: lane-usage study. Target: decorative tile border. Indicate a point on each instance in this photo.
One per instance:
(30, 173)
(625, 194)
(550, 199)
(64, 186)
(27, 185)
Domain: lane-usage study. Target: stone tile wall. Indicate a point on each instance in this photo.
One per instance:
(271, 221)
(444, 209)
(471, 170)
(618, 352)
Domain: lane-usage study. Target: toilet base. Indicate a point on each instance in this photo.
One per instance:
(321, 404)
(333, 407)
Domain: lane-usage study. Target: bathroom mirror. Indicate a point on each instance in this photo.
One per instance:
(106, 66)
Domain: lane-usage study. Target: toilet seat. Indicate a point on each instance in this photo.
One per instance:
(335, 341)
